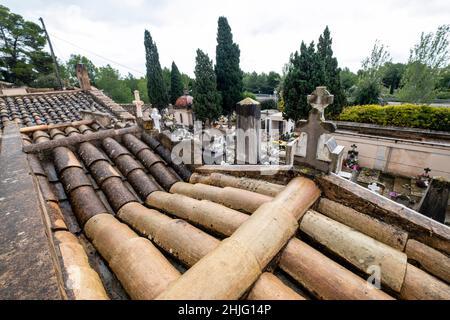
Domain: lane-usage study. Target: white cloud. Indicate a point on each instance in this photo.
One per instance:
(266, 31)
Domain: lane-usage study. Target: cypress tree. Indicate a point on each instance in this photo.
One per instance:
(207, 100)
(176, 84)
(228, 72)
(304, 75)
(331, 73)
(155, 83)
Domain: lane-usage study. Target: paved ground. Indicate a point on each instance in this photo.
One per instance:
(26, 267)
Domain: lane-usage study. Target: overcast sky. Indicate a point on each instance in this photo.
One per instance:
(266, 31)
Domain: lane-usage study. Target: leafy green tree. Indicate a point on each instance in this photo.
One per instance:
(433, 48)
(419, 82)
(142, 87)
(304, 75)
(188, 82)
(273, 80)
(444, 79)
(268, 104)
(156, 88)
(248, 94)
(131, 82)
(176, 84)
(250, 82)
(261, 83)
(108, 79)
(331, 73)
(392, 74)
(422, 72)
(166, 78)
(372, 65)
(22, 58)
(46, 81)
(368, 90)
(228, 72)
(207, 100)
(348, 79)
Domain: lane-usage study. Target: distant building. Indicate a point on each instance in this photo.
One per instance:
(274, 122)
(182, 110)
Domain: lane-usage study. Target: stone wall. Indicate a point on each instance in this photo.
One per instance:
(398, 156)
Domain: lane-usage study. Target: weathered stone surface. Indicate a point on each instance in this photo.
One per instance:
(26, 266)
(418, 226)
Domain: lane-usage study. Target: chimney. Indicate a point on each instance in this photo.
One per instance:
(83, 77)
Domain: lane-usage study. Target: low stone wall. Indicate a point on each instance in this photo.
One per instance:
(398, 156)
(393, 132)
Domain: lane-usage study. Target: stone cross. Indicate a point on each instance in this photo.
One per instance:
(315, 128)
(138, 103)
(156, 118)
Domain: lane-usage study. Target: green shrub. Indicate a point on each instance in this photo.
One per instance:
(248, 94)
(268, 104)
(443, 95)
(405, 115)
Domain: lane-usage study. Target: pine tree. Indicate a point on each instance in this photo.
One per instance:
(207, 100)
(304, 75)
(228, 72)
(155, 83)
(331, 73)
(176, 84)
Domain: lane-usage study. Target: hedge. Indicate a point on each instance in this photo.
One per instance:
(405, 115)
(268, 104)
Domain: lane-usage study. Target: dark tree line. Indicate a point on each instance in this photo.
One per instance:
(307, 69)
(261, 82)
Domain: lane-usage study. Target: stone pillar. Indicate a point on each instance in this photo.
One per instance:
(83, 77)
(248, 131)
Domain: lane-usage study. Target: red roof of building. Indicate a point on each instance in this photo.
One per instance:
(184, 101)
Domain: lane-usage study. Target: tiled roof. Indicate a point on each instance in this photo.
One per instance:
(31, 110)
(57, 107)
(102, 191)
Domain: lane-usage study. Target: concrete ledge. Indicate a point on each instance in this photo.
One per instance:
(393, 132)
(420, 227)
(27, 269)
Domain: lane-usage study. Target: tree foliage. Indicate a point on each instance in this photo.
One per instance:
(331, 73)
(348, 79)
(108, 79)
(422, 72)
(176, 84)
(369, 84)
(207, 100)
(419, 82)
(156, 88)
(372, 64)
(228, 72)
(391, 75)
(433, 48)
(22, 58)
(367, 92)
(261, 83)
(304, 75)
